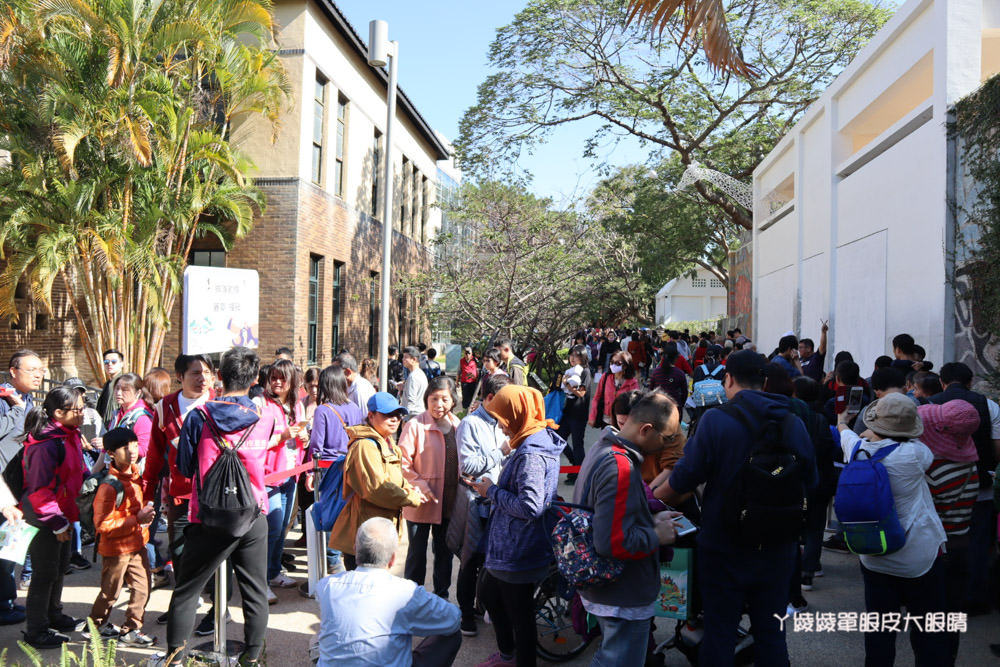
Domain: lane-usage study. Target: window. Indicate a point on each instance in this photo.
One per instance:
(208, 258)
(404, 181)
(337, 267)
(319, 115)
(425, 215)
(41, 322)
(715, 282)
(338, 169)
(314, 264)
(376, 170)
(698, 282)
(415, 221)
(372, 313)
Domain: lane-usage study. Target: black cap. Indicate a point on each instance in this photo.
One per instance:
(745, 363)
(118, 437)
(74, 383)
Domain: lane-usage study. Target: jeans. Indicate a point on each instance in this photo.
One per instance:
(885, 593)
(813, 537)
(622, 642)
(982, 551)
(51, 559)
(204, 551)
(730, 579)
(281, 499)
(416, 557)
(512, 610)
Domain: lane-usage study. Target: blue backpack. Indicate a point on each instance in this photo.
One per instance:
(331, 496)
(865, 506)
(709, 390)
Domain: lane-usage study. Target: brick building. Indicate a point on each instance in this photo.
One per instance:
(317, 246)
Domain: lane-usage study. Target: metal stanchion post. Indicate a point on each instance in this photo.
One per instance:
(221, 607)
(320, 535)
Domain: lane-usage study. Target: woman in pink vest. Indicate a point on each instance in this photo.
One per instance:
(430, 463)
(287, 451)
(619, 378)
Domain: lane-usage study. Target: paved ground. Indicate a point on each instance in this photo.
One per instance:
(295, 619)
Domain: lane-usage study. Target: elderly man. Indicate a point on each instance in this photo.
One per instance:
(368, 616)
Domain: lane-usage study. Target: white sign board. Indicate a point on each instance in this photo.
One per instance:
(221, 309)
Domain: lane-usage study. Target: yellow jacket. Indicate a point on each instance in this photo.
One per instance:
(373, 472)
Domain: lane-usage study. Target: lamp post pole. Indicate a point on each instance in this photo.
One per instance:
(380, 52)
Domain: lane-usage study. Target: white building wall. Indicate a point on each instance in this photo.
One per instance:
(861, 240)
(687, 299)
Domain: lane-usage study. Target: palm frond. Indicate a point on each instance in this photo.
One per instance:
(709, 16)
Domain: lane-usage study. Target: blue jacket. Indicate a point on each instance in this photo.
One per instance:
(518, 536)
(717, 452)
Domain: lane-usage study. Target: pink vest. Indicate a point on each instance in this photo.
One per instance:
(252, 453)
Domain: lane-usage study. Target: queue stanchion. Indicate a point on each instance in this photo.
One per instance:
(315, 543)
(221, 650)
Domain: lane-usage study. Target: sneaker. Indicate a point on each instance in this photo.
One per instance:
(271, 597)
(283, 581)
(162, 618)
(78, 562)
(66, 623)
(46, 639)
(469, 627)
(106, 631)
(25, 582)
(497, 660)
(818, 573)
(207, 625)
(12, 616)
(836, 543)
(807, 582)
(161, 579)
(136, 638)
(797, 605)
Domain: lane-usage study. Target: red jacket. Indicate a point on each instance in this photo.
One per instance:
(53, 475)
(162, 452)
(117, 525)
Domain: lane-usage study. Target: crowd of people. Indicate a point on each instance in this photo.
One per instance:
(693, 428)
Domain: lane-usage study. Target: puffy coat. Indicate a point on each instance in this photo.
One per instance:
(117, 525)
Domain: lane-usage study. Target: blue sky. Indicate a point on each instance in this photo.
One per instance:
(443, 58)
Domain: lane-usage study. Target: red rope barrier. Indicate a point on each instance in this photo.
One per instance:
(275, 477)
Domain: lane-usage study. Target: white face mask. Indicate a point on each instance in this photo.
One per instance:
(617, 368)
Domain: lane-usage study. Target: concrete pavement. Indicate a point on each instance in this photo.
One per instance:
(294, 620)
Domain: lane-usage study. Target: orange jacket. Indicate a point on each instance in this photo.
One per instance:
(118, 527)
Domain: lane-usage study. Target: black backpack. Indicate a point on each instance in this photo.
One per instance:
(85, 501)
(226, 499)
(766, 502)
(13, 474)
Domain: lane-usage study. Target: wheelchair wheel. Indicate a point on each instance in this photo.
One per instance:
(557, 640)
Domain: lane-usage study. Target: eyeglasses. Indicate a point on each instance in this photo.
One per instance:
(77, 410)
(33, 371)
(111, 362)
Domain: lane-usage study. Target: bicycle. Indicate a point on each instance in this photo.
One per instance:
(557, 639)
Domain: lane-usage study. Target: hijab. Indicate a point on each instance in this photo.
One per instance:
(521, 410)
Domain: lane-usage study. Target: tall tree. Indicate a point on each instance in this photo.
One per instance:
(561, 61)
(117, 117)
(679, 230)
(516, 267)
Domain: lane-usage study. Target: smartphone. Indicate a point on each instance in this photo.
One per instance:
(840, 402)
(684, 526)
(854, 400)
(6, 391)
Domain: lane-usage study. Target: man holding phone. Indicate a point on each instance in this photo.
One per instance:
(625, 529)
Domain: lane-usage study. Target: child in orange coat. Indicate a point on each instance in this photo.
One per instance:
(122, 524)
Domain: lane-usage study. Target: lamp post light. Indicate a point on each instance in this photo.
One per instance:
(381, 52)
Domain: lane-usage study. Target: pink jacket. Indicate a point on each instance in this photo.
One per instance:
(422, 444)
(278, 456)
(607, 393)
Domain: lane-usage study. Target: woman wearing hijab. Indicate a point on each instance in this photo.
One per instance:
(518, 552)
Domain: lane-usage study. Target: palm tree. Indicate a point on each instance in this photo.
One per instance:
(709, 16)
(116, 115)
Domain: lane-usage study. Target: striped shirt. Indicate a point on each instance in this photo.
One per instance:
(954, 487)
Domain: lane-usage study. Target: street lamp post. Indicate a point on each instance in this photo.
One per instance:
(380, 52)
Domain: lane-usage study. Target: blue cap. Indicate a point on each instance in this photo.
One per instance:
(385, 403)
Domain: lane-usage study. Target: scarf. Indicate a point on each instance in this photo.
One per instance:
(521, 410)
